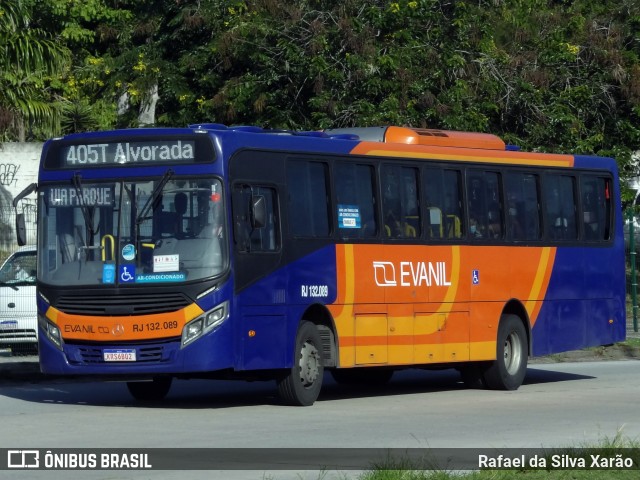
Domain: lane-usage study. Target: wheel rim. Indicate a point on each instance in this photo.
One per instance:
(309, 364)
(512, 353)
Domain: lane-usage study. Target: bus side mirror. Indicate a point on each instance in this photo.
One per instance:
(258, 211)
(27, 191)
(21, 229)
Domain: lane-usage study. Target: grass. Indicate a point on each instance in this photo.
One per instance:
(505, 475)
(606, 448)
(632, 342)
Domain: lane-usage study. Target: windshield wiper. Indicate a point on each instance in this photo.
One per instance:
(88, 217)
(153, 197)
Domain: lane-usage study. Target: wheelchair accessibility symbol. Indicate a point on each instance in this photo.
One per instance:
(127, 273)
(475, 275)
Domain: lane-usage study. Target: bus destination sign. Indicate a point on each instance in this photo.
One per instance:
(89, 196)
(123, 153)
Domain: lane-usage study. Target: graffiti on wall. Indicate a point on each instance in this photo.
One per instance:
(18, 168)
(9, 174)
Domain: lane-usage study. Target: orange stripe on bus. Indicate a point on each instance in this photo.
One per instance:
(111, 328)
(391, 340)
(463, 154)
(540, 284)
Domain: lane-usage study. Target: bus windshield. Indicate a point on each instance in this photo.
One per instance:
(131, 232)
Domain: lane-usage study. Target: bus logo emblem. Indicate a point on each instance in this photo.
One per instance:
(385, 274)
(411, 274)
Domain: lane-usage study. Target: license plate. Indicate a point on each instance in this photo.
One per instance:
(119, 355)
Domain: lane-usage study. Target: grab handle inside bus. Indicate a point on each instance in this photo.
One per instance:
(112, 242)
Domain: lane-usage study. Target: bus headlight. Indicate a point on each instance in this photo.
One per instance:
(192, 331)
(216, 316)
(205, 323)
(51, 331)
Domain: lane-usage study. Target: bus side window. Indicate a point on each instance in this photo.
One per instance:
(241, 219)
(596, 207)
(264, 237)
(560, 206)
(307, 188)
(442, 192)
(356, 200)
(590, 211)
(522, 206)
(400, 201)
(249, 236)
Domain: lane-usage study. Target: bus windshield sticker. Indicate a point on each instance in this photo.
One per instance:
(108, 273)
(348, 216)
(127, 273)
(161, 277)
(129, 252)
(166, 263)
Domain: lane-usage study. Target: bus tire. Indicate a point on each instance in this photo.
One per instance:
(153, 391)
(508, 370)
(301, 385)
(362, 376)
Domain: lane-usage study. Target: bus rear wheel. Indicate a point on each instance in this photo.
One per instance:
(152, 391)
(301, 385)
(508, 370)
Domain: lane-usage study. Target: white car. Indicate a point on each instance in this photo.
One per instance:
(18, 310)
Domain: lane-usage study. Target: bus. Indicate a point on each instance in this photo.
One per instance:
(215, 251)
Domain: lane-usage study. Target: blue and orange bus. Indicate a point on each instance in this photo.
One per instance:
(238, 252)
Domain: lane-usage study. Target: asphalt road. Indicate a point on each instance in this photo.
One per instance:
(564, 404)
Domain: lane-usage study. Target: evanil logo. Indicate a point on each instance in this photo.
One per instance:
(411, 274)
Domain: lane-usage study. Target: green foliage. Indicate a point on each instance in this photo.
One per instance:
(548, 75)
(28, 57)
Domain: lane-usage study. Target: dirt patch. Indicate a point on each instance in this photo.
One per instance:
(619, 351)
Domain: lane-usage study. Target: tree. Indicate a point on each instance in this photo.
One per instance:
(28, 57)
(543, 74)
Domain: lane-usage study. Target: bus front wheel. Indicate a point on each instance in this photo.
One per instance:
(301, 385)
(152, 391)
(508, 370)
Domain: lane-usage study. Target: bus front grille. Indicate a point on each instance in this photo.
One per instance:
(136, 304)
